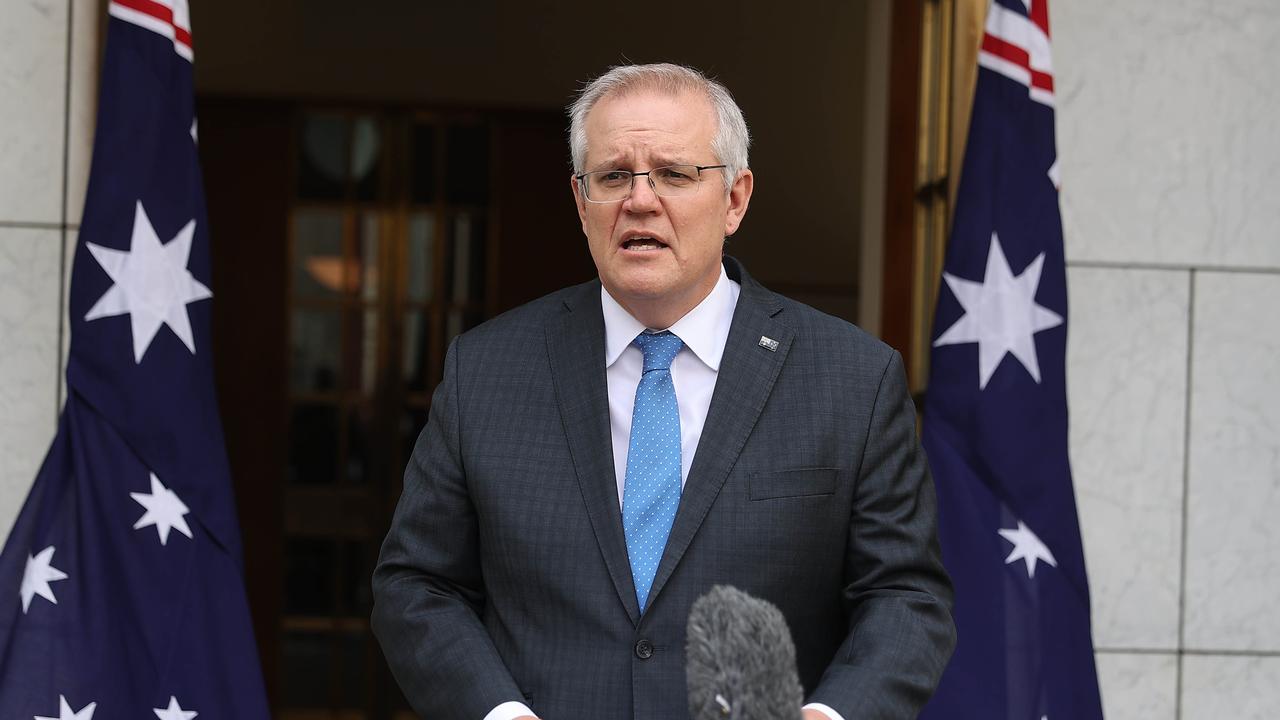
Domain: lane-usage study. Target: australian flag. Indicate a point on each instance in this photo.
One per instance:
(995, 425)
(121, 584)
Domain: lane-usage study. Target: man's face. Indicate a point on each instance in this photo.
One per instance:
(658, 256)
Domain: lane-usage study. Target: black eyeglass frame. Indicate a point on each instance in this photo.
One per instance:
(635, 175)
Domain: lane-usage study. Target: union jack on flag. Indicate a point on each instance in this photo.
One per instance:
(995, 422)
(121, 585)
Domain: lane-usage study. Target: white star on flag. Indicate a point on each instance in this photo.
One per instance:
(1000, 314)
(1026, 547)
(152, 284)
(174, 711)
(36, 578)
(164, 510)
(64, 711)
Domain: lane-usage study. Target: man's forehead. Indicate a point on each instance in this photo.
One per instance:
(653, 103)
(620, 153)
(670, 124)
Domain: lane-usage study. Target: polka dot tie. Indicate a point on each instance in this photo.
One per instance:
(652, 489)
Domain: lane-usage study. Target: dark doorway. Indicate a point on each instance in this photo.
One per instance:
(352, 243)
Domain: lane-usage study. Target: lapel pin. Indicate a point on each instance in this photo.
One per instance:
(768, 343)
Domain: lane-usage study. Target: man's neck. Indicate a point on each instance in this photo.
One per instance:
(658, 316)
(662, 313)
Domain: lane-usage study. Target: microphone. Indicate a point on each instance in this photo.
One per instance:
(740, 660)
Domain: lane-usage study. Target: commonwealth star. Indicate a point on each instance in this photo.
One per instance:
(1000, 314)
(152, 284)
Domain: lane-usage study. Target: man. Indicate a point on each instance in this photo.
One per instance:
(598, 459)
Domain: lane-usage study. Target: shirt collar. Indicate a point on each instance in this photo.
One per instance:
(704, 329)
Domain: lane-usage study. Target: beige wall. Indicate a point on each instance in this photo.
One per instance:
(46, 127)
(1169, 169)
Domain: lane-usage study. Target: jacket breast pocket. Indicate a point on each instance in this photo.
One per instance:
(800, 482)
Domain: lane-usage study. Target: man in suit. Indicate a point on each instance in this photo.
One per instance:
(598, 459)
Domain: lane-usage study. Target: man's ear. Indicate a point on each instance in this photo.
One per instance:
(739, 198)
(580, 201)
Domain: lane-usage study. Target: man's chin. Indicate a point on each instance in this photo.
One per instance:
(643, 282)
(640, 293)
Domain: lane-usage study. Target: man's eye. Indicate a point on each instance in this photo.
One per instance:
(675, 176)
(615, 176)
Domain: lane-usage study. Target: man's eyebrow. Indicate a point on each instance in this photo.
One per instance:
(665, 160)
(621, 162)
(613, 163)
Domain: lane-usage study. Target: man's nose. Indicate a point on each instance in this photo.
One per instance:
(643, 199)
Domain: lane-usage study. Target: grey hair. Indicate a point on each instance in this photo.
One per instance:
(731, 139)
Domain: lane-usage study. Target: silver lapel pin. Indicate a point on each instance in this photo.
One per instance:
(768, 343)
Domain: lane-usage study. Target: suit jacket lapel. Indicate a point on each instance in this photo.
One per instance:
(575, 346)
(747, 373)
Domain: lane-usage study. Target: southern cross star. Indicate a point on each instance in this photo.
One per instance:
(1000, 314)
(164, 510)
(36, 578)
(64, 711)
(1026, 547)
(152, 284)
(174, 711)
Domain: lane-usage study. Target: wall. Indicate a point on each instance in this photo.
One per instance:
(48, 60)
(1169, 164)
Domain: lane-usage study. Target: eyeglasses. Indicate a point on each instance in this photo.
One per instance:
(610, 186)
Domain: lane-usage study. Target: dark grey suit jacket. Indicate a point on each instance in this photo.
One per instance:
(505, 576)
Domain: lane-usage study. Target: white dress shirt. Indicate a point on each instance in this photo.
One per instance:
(704, 331)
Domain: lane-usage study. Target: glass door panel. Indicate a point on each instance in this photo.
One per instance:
(389, 251)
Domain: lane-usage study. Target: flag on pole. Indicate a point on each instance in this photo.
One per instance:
(121, 585)
(995, 425)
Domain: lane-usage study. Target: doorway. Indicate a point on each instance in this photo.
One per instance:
(353, 244)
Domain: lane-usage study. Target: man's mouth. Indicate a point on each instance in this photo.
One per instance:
(642, 243)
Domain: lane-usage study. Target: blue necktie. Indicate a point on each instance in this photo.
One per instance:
(652, 489)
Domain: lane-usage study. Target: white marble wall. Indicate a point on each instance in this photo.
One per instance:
(1170, 169)
(46, 127)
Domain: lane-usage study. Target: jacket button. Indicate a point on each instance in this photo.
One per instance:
(644, 649)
